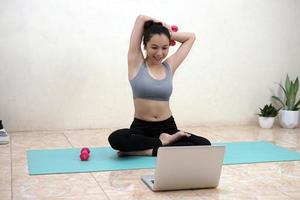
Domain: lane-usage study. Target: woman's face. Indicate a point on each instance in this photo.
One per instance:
(157, 48)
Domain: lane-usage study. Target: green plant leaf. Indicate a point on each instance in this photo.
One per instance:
(287, 83)
(290, 91)
(279, 100)
(268, 111)
(285, 92)
(297, 104)
(296, 85)
(290, 100)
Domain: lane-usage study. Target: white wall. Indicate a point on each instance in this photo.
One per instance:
(63, 63)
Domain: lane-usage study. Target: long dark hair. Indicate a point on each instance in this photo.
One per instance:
(151, 28)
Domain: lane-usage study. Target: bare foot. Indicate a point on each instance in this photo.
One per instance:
(169, 139)
(147, 152)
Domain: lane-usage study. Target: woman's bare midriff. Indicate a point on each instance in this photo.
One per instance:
(151, 110)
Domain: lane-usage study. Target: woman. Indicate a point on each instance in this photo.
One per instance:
(151, 82)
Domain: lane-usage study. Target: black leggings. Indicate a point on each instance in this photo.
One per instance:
(144, 135)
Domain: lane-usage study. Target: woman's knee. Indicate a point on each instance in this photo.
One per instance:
(198, 140)
(205, 141)
(117, 137)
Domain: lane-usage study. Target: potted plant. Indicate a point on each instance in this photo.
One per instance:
(289, 115)
(267, 116)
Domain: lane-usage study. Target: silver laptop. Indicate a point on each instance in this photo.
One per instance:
(186, 167)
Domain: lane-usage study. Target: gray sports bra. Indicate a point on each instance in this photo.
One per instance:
(144, 86)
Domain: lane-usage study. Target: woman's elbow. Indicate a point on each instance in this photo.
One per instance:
(192, 36)
(141, 17)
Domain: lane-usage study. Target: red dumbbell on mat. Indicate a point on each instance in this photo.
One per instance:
(84, 154)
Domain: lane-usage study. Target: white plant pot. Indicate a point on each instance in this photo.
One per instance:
(266, 122)
(288, 118)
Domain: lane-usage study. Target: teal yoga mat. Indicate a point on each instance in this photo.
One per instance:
(56, 161)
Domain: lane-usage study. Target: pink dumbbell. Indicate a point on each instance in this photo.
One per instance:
(84, 154)
(174, 28)
(85, 149)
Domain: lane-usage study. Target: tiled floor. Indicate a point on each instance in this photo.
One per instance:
(278, 180)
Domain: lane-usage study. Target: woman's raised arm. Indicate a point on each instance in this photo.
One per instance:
(135, 55)
(187, 40)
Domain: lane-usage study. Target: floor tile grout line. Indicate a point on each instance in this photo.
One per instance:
(68, 140)
(281, 192)
(99, 185)
(286, 194)
(287, 142)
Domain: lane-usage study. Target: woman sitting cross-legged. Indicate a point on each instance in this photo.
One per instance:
(151, 81)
